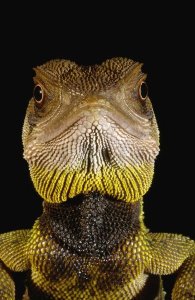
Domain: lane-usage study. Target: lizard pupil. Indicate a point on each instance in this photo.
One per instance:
(38, 94)
(143, 91)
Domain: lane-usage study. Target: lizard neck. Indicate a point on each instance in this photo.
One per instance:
(92, 225)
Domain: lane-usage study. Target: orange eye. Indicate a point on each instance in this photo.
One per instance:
(143, 90)
(38, 95)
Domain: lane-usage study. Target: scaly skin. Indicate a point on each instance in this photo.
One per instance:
(90, 138)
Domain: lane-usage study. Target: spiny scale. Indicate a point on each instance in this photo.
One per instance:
(86, 79)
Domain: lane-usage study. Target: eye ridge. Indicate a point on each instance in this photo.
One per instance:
(38, 95)
(143, 90)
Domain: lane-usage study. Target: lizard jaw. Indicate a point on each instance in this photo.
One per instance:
(93, 154)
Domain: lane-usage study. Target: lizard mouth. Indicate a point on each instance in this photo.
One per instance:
(92, 153)
(95, 132)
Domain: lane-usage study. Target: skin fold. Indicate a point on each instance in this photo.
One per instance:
(90, 139)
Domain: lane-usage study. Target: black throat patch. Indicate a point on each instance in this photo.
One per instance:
(91, 225)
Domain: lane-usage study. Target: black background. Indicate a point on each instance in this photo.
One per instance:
(160, 37)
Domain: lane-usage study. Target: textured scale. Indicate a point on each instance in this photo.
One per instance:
(90, 139)
(82, 79)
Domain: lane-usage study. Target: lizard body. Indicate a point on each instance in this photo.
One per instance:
(90, 138)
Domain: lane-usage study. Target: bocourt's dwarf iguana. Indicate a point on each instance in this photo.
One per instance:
(90, 138)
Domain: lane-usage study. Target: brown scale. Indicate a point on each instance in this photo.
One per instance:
(86, 79)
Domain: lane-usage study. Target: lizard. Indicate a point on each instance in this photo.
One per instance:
(90, 139)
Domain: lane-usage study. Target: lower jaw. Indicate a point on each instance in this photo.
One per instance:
(128, 184)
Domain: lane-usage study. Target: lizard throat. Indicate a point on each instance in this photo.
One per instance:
(111, 163)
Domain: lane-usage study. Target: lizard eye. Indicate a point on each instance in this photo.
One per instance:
(143, 90)
(38, 95)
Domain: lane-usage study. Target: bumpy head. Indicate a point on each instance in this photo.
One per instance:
(90, 129)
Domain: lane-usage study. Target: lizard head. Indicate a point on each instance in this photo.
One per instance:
(90, 129)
